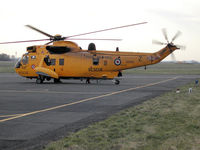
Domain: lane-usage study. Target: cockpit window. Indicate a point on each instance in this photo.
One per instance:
(18, 64)
(25, 59)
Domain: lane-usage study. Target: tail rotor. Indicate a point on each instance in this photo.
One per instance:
(164, 31)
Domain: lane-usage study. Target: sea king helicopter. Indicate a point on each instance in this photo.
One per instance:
(64, 59)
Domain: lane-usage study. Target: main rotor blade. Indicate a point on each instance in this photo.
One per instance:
(33, 28)
(176, 35)
(94, 39)
(24, 41)
(105, 30)
(48, 43)
(165, 34)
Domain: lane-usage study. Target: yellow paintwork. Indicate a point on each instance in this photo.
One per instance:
(46, 72)
(78, 63)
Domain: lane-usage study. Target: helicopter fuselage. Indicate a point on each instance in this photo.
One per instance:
(64, 59)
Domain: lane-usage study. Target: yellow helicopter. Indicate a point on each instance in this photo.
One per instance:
(64, 59)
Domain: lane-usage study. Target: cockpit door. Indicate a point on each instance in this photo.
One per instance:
(22, 62)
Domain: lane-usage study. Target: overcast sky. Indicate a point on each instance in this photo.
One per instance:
(69, 17)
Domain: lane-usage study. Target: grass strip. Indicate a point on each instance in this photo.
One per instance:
(7, 66)
(167, 122)
(167, 68)
(160, 68)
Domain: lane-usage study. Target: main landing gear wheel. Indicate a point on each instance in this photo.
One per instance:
(39, 81)
(117, 82)
(56, 80)
(88, 81)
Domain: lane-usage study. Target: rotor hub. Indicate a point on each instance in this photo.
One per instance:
(57, 37)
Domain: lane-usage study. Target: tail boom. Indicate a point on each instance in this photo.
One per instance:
(144, 59)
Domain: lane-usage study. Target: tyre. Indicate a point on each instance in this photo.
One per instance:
(39, 81)
(56, 80)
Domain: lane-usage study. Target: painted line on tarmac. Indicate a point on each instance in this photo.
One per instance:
(49, 92)
(3, 116)
(87, 99)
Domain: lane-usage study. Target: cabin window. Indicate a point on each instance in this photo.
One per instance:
(95, 61)
(61, 62)
(53, 62)
(33, 57)
(25, 59)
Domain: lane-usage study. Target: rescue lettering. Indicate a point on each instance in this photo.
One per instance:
(91, 69)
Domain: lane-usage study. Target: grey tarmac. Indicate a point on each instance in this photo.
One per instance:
(31, 115)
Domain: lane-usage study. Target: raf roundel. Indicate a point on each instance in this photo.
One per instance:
(117, 61)
(33, 66)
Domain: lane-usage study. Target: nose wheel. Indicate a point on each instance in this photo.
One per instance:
(40, 79)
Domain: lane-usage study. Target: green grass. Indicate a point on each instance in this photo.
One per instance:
(160, 68)
(167, 68)
(7, 66)
(168, 122)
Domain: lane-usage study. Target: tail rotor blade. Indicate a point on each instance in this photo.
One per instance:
(176, 35)
(165, 34)
(173, 57)
(183, 47)
(158, 42)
